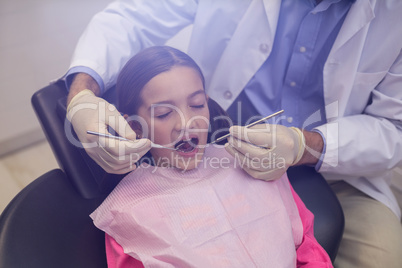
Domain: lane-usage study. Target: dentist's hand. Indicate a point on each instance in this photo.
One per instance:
(88, 112)
(266, 151)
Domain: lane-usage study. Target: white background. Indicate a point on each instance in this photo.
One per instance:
(37, 39)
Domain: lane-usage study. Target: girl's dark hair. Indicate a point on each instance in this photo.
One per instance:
(150, 62)
(141, 68)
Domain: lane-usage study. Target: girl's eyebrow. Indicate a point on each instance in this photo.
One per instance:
(200, 91)
(161, 103)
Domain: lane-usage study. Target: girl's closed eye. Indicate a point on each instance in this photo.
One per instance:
(163, 115)
(198, 101)
(162, 112)
(200, 106)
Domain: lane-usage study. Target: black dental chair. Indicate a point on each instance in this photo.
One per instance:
(47, 223)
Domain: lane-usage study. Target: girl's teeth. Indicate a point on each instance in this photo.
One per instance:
(187, 145)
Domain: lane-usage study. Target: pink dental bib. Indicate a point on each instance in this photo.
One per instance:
(213, 216)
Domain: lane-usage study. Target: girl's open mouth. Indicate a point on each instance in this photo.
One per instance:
(187, 146)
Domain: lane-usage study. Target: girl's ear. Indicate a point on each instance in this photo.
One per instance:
(135, 125)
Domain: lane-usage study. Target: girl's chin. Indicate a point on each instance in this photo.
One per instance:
(183, 161)
(187, 163)
(186, 168)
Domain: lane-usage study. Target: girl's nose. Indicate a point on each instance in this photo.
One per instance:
(184, 121)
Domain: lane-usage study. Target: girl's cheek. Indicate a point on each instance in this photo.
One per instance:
(160, 132)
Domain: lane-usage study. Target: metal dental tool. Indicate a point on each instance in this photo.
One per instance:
(250, 125)
(154, 145)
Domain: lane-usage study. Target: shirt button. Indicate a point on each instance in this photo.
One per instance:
(289, 119)
(292, 84)
(302, 49)
(227, 95)
(264, 48)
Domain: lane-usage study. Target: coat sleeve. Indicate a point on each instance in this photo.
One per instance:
(125, 27)
(370, 143)
(309, 253)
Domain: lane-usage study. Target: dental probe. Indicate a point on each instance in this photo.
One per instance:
(154, 145)
(250, 125)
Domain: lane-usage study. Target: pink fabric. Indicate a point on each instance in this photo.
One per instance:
(167, 218)
(309, 253)
(116, 257)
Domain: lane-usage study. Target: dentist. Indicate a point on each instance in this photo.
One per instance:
(334, 66)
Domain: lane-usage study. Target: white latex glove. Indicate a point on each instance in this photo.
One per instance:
(88, 112)
(266, 151)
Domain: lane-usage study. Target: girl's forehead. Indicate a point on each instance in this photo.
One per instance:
(179, 83)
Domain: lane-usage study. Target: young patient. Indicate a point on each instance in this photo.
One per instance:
(195, 206)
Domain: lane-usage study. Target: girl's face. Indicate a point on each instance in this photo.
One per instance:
(174, 107)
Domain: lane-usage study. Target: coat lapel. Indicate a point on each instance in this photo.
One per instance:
(272, 10)
(360, 14)
(343, 60)
(249, 47)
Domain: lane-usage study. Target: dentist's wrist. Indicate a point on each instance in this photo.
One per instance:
(82, 81)
(313, 149)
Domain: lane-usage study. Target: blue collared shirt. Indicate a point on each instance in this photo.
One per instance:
(292, 76)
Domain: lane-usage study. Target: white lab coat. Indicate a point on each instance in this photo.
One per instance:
(362, 75)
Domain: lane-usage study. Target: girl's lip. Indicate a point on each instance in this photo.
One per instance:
(188, 154)
(193, 152)
(186, 137)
